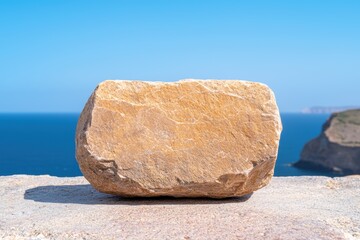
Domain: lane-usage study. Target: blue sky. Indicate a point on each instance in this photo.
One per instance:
(54, 53)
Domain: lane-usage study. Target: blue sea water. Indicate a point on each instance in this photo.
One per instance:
(44, 143)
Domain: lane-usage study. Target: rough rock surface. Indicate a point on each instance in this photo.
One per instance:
(43, 207)
(338, 146)
(190, 138)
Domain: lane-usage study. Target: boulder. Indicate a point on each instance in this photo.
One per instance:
(192, 138)
(337, 149)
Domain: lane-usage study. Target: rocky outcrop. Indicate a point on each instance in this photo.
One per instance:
(338, 146)
(43, 207)
(192, 138)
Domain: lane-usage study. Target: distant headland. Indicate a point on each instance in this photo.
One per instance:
(324, 110)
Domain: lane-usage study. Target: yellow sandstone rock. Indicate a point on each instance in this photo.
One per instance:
(192, 138)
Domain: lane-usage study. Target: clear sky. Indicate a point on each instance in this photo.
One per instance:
(53, 53)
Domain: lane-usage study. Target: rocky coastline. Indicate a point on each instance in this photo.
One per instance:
(337, 149)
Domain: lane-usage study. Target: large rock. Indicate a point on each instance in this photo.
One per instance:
(338, 146)
(192, 138)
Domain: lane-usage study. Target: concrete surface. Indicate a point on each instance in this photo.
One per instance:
(44, 207)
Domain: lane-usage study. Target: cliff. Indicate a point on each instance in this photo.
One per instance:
(338, 146)
(43, 207)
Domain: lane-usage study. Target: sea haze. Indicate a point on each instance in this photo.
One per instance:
(44, 143)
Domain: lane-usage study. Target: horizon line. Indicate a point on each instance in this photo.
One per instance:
(61, 112)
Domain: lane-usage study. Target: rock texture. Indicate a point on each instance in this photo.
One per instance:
(43, 207)
(338, 147)
(192, 138)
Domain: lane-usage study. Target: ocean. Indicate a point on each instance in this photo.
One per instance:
(44, 143)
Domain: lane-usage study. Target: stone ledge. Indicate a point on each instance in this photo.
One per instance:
(44, 207)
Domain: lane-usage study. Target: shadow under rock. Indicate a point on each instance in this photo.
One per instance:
(85, 194)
